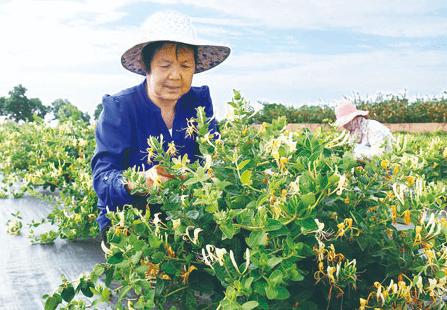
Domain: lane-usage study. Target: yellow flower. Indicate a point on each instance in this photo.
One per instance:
(152, 269)
(347, 201)
(418, 237)
(363, 304)
(396, 169)
(384, 164)
(165, 277)
(341, 230)
(410, 180)
(393, 214)
(348, 222)
(185, 273)
(172, 150)
(407, 217)
(445, 153)
(330, 274)
(169, 250)
(282, 162)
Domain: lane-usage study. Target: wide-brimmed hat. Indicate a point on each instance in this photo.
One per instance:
(346, 111)
(174, 27)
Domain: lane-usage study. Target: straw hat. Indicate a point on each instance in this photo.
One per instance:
(345, 112)
(174, 27)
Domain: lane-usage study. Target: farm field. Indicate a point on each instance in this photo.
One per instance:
(269, 219)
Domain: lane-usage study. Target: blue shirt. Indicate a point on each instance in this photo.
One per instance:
(127, 120)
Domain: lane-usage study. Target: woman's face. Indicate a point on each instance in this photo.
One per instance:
(171, 73)
(353, 125)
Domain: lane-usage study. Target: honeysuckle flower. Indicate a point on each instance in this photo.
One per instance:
(186, 272)
(191, 128)
(153, 175)
(220, 252)
(156, 219)
(363, 304)
(165, 277)
(208, 161)
(233, 261)
(384, 163)
(180, 163)
(341, 185)
(418, 237)
(398, 191)
(195, 238)
(379, 295)
(407, 217)
(330, 274)
(393, 214)
(213, 255)
(172, 150)
(206, 259)
(176, 224)
(396, 169)
(294, 187)
(341, 230)
(247, 260)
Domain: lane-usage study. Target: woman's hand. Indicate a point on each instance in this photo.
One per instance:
(154, 177)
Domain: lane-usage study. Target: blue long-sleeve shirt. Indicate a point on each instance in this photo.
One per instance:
(127, 120)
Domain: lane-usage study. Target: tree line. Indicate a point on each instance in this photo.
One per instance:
(18, 107)
(384, 108)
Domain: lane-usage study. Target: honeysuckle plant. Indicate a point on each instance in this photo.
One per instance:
(37, 156)
(271, 219)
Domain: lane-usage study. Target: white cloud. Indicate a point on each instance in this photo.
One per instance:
(411, 18)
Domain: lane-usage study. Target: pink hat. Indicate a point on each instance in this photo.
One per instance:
(345, 112)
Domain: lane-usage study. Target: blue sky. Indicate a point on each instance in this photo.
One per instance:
(293, 52)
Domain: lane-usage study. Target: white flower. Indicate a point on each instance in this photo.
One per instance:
(233, 261)
(194, 239)
(341, 184)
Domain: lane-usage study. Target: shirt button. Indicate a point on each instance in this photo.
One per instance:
(106, 178)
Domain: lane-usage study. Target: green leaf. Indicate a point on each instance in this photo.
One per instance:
(282, 293)
(123, 292)
(116, 258)
(68, 293)
(154, 242)
(136, 257)
(275, 278)
(308, 225)
(52, 302)
(221, 184)
(295, 275)
(271, 292)
(308, 199)
(228, 230)
(248, 282)
(273, 224)
(246, 177)
(242, 164)
(257, 238)
(105, 294)
(85, 288)
(250, 305)
(273, 261)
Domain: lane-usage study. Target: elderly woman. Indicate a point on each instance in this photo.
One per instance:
(371, 137)
(160, 105)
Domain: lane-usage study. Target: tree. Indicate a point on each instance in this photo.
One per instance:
(2, 105)
(63, 110)
(98, 111)
(19, 107)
